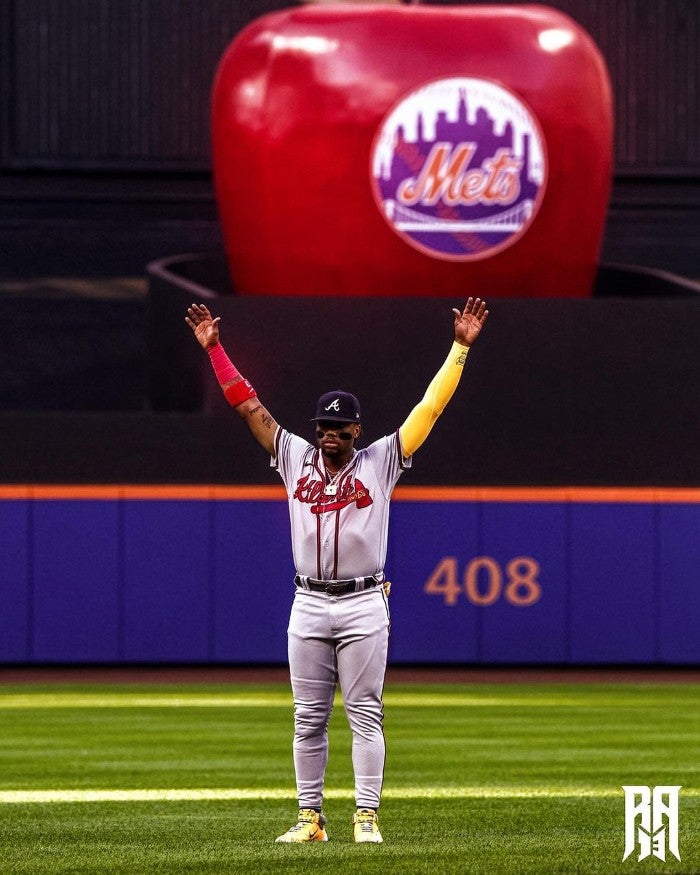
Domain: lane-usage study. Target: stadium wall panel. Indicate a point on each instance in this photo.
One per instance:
(16, 613)
(75, 562)
(135, 574)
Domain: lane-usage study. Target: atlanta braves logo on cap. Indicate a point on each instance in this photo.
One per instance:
(337, 406)
(459, 168)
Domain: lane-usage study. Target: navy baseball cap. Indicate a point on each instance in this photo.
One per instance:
(337, 406)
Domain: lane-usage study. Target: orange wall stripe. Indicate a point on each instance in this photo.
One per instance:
(534, 494)
(151, 492)
(212, 492)
(75, 492)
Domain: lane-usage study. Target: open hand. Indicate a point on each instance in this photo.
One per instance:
(206, 329)
(470, 321)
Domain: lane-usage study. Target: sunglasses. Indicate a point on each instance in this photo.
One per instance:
(322, 429)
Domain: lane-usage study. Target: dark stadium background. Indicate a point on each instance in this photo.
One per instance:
(104, 151)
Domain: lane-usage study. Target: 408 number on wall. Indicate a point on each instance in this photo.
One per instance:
(484, 581)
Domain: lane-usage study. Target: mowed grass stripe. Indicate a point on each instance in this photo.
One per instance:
(125, 700)
(196, 794)
(645, 696)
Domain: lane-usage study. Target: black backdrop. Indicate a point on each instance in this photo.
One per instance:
(556, 392)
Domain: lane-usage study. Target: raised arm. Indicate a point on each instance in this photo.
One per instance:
(467, 324)
(237, 390)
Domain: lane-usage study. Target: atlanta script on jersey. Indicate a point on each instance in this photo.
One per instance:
(344, 534)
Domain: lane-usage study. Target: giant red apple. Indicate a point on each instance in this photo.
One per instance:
(411, 150)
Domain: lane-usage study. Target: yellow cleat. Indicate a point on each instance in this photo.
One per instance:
(309, 828)
(366, 827)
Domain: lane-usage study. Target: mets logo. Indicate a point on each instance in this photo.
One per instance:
(459, 168)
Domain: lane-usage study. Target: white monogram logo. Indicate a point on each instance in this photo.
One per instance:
(334, 405)
(650, 805)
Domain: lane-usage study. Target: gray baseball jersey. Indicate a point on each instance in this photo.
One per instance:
(339, 524)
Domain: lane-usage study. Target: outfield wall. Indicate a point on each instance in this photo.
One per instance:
(203, 574)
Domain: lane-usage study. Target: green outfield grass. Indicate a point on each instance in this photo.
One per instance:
(480, 778)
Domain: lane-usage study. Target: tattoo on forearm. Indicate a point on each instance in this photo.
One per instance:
(267, 420)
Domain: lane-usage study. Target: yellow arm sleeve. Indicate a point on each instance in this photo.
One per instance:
(422, 418)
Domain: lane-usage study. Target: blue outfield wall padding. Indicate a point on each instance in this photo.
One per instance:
(428, 545)
(76, 564)
(205, 579)
(168, 555)
(613, 566)
(678, 602)
(253, 581)
(15, 616)
(528, 621)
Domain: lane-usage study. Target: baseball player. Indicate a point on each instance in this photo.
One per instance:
(339, 511)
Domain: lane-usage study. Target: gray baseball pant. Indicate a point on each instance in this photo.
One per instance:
(338, 639)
